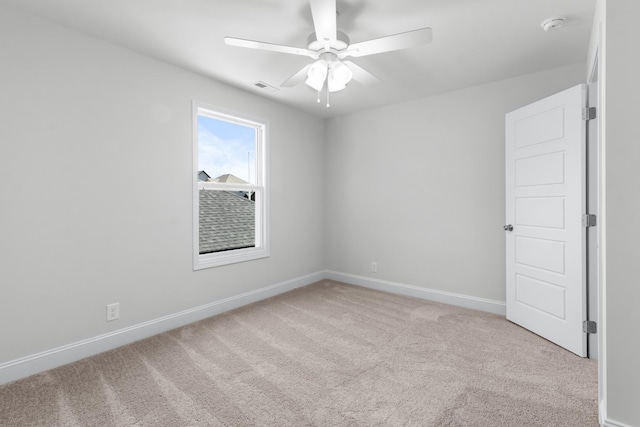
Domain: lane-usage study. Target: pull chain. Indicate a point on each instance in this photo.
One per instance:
(318, 97)
(327, 83)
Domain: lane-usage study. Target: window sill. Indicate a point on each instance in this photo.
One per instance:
(218, 259)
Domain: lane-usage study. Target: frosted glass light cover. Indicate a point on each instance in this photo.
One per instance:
(317, 75)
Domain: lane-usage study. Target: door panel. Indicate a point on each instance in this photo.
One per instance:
(540, 295)
(542, 254)
(540, 170)
(540, 212)
(542, 127)
(545, 200)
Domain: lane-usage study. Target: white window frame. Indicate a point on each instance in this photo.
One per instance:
(261, 249)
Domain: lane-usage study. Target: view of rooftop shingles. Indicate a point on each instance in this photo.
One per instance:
(227, 221)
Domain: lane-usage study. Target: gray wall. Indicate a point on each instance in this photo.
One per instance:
(418, 187)
(96, 187)
(622, 273)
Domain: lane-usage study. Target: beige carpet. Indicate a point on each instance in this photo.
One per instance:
(325, 355)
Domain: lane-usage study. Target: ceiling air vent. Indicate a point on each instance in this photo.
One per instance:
(263, 85)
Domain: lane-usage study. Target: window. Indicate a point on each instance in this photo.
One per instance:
(230, 194)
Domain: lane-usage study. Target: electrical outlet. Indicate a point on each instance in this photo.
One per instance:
(374, 266)
(113, 311)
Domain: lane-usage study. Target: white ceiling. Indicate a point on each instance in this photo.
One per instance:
(474, 41)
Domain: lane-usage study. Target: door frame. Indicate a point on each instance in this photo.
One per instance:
(595, 276)
(592, 197)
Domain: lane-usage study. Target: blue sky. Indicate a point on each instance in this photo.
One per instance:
(223, 148)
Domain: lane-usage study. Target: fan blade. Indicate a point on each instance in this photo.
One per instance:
(386, 44)
(297, 78)
(361, 75)
(324, 20)
(231, 41)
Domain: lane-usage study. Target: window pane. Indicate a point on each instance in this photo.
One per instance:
(226, 152)
(227, 220)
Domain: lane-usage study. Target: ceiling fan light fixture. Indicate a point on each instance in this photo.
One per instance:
(335, 85)
(339, 76)
(317, 74)
(328, 47)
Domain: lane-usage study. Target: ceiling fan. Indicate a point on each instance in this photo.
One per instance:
(329, 47)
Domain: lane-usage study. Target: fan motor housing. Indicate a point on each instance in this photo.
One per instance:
(342, 42)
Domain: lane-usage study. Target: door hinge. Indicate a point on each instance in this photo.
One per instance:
(589, 113)
(588, 220)
(589, 327)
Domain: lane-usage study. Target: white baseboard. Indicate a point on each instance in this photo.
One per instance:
(460, 300)
(35, 363)
(605, 421)
(610, 423)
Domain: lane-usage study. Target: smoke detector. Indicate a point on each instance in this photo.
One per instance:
(552, 23)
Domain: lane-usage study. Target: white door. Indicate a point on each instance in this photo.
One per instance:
(545, 201)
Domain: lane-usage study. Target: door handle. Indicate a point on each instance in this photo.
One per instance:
(508, 227)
